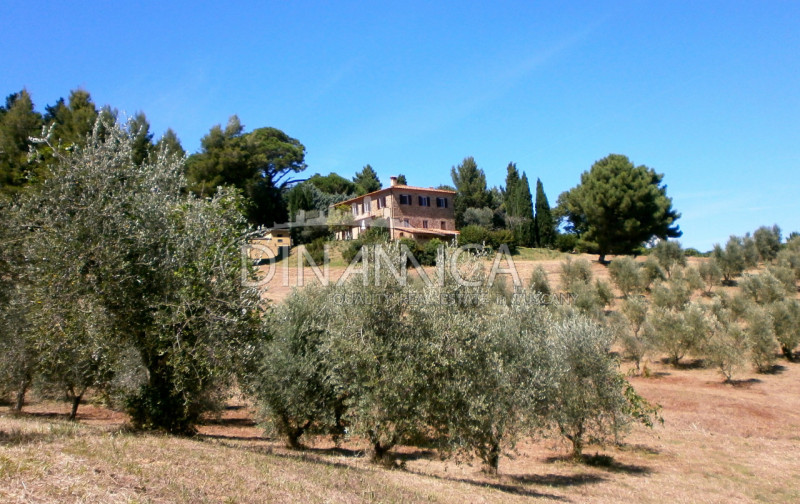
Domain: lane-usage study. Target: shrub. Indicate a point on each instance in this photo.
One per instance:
(594, 402)
(711, 275)
(728, 345)
(626, 275)
(762, 288)
(677, 333)
(786, 325)
(566, 242)
(635, 346)
(761, 334)
(292, 383)
(316, 249)
(428, 255)
(502, 237)
(539, 282)
(731, 259)
(768, 242)
(575, 271)
(651, 272)
(473, 235)
(669, 255)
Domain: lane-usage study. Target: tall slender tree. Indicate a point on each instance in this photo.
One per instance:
(509, 192)
(545, 224)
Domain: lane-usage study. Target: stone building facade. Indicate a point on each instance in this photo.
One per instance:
(408, 212)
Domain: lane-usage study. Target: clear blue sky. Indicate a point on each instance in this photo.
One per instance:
(707, 93)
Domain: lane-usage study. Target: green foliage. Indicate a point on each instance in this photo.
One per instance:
(731, 259)
(575, 272)
(786, 325)
(594, 403)
(141, 138)
(789, 257)
(257, 163)
(750, 251)
(566, 242)
(651, 272)
(429, 253)
(470, 185)
(626, 275)
(473, 234)
(539, 282)
(711, 274)
(635, 346)
(497, 238)
(483, 217)
(366, 181)
(618, 206)
(677, 333)
(669, 255)
(169, 145)
(18, 122)
(728, 345)
(333, 184)
(292, 384)
(768, 242)
(761, 335)
(401, 180)
(545, 223)
(763, 288)
(73, 123)
(126, 242)
(316, 249)
(372, 236)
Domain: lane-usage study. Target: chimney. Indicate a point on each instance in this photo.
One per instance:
(392, 181)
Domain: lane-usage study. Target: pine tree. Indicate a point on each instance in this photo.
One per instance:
(367, 180)
(471, 191)
(18, 122)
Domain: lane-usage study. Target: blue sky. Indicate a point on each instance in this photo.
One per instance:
(707, 93)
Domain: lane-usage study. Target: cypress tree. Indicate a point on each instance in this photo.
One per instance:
(545, 224)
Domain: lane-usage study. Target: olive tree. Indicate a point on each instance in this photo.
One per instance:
(593, 403)
(727, 345)
(677, 332)
(162, 266)
(786, 325)
(626, 275)
(669, 255)
(292, 383)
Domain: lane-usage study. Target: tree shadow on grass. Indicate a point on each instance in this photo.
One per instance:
(230, 422)
(514, 489)
(775, 370)
(743, 383)
(686, 364)
(320, 456)
(605, 462)
(558, 480)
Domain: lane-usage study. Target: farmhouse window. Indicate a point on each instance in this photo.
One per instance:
(424, 201)
(405, 199)
(441, 202)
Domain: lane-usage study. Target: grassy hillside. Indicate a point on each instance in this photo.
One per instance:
(719, 443)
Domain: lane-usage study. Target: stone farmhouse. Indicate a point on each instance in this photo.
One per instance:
(409, 212)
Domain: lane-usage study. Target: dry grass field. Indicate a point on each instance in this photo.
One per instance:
(719, 443)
